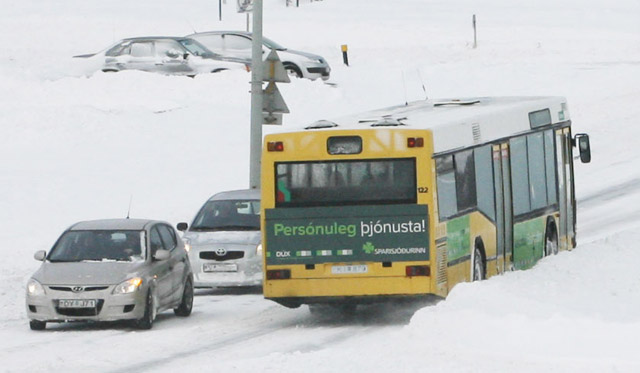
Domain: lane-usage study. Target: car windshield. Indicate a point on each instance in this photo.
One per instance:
(99, 245)
(196, 48)
(272, 44)
(228, 215)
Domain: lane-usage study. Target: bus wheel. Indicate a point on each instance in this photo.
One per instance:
(551, 241)
(478, 266)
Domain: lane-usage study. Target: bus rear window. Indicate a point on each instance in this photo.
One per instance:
(338, 183)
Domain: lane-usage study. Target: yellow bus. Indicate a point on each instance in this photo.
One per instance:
(411, 200)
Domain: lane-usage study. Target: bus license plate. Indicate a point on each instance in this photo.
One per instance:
(217, 267)
(349, 269)
(77, 303)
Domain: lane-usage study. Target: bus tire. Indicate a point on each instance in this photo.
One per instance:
(551, 240)
(479, 272)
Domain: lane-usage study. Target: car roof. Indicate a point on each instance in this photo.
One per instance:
(246, 33)
(237, 194)
(109, 224)
(140, 38)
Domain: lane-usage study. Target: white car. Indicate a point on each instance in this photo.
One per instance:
(224, 239)
(165, 55)
(237, 44)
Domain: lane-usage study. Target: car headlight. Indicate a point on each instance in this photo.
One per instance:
(129, 286)
(34, 288)
(187, 244)
(259, 250)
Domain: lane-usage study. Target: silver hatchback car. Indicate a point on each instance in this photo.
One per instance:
(106, 270)
(224, 241)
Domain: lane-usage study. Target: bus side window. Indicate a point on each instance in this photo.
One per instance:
(550, 166)
(446, 184)
(520, 175)
(465, 180)
(485, 181)
(537, 175)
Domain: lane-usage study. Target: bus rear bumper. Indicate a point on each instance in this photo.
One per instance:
(356, 290)
(295, 302)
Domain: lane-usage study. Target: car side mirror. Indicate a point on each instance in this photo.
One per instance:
(185, 56)
(582, 140)
(172, 53)
(40, 255)
(162, 255)
(182, 226)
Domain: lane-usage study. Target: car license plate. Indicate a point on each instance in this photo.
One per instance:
(349, 269)
(77, 303)
(219, 267)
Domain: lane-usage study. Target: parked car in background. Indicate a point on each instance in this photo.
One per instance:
(238, 44)
(166, 55)
(224, 240)
(106, 270)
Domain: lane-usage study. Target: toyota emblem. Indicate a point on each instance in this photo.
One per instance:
(221, 251)
(77, 289)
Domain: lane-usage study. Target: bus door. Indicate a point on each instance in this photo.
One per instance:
(504, 212)
(566, 234)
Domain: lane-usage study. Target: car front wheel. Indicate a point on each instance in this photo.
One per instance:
(293, 70)
(186, 305)
(146, 322)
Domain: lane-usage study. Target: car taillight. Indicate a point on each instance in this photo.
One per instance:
(412, 271)
(275, 146)
(278, 274)
(415, 142)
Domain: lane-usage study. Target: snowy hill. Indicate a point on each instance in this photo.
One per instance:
(77, 146)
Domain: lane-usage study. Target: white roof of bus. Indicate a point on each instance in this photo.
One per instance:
(458, 123)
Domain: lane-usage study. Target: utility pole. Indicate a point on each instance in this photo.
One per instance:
(256, 97)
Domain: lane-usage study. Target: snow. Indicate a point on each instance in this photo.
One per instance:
(76, 146)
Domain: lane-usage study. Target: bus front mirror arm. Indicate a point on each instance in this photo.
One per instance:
(582, 141)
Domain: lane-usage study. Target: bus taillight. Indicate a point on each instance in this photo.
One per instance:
(412, 271)
(275, 146)
(278, 274)
(415, 142)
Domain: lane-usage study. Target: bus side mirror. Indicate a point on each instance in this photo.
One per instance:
(582, 140)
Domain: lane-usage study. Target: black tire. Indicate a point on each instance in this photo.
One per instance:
(551, 241)
(37, 325)
(293, 70)
(146, 322)
(186, 305)
(478, 266)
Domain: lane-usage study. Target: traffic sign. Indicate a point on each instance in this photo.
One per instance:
(274, 70)
(272, 101)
